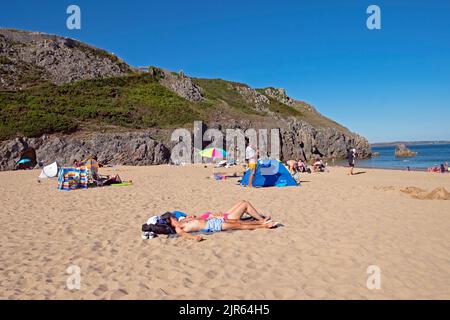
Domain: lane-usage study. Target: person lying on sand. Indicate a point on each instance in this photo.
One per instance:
(318, 166)
(108, 180)
(185, 226)
(234, 213)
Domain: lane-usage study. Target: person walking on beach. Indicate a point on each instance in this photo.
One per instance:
(351, 156)
(251, 154)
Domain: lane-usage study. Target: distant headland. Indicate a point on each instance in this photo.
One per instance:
(409, 143)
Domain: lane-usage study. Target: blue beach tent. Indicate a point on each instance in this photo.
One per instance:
(270, 173)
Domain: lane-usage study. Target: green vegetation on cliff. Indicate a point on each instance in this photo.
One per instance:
(134, 101)
(39, 94)
(218, 90)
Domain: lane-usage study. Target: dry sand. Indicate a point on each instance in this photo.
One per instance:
(335, 227)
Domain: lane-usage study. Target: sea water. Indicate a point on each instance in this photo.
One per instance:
(427, 156)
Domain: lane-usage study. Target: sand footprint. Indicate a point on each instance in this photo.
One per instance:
(100, 290)
(119, 294)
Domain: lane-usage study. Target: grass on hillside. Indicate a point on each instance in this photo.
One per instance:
(318, 120)
(282, 109)
(216, 90)
(134, 101)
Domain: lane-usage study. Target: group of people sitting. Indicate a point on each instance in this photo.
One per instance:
(296, 166)
(319, 166)
(184, 225)
(97, 179)
(443, 168)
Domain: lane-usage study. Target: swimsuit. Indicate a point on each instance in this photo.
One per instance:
(206, 216)
(213, 225)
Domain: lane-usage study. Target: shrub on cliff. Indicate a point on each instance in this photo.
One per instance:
(135, 101)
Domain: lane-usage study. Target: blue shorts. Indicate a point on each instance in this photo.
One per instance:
(213, 225)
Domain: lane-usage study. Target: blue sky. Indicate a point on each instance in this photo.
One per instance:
(388, 84)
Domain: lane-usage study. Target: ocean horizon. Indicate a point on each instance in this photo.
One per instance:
(428, 155)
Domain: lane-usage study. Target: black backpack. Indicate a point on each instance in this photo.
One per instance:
(160, 228)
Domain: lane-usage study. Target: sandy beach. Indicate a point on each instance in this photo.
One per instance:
(335, 227)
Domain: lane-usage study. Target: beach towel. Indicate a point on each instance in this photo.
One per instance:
(73, 178)
(122, 184)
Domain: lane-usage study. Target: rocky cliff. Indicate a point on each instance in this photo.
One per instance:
(125, 115)
(130, 148)
(29, 58)
(299, 140)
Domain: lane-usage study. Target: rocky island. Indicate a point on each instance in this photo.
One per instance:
(401, 151)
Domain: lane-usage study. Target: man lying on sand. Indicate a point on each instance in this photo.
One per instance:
(185, 226)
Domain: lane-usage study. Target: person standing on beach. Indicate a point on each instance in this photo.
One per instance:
(251, 154)
(351, 156)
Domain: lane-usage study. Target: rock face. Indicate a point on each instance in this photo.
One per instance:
(110, 148)
(30, 57)
(253, 97)
(300, 140)
(401, 151)
(280, 96)
(180, 84)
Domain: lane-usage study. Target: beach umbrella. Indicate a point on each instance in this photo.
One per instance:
(213, 153)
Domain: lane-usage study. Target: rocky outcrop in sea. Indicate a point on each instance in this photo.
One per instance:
(401, 151)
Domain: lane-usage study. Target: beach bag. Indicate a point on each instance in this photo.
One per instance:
(161, 224)
(158, 228)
